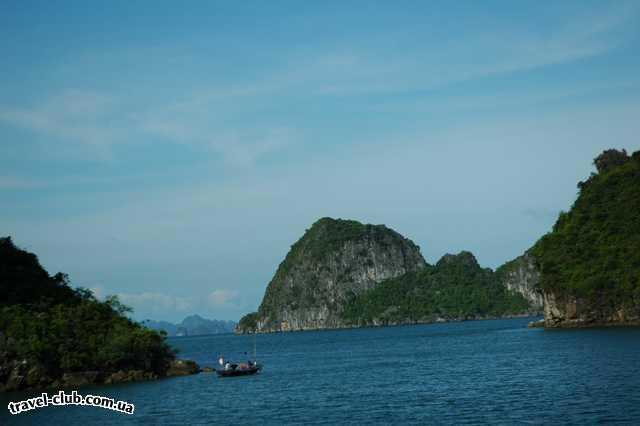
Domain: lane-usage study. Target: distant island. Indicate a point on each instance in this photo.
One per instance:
(343, 273)
(193, 325)
(585, 272)
(52, 335)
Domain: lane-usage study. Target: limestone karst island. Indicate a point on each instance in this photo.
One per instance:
(585, 272)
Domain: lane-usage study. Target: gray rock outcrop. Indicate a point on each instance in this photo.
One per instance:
(522, 276)
(334, 261)
(566, 311)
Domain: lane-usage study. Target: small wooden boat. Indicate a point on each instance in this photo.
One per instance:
(234, 370)
(229, 369)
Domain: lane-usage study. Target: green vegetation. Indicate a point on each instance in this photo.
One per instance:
(593, 251)
(327, 235)
(455, 288)
(249, 321)
(58, 330)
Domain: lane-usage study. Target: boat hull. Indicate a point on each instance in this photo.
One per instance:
(238, 372)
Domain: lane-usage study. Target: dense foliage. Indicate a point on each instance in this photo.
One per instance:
(327, 235)
(593, 251)
(249, 321)
(60, 329)
(455, 288)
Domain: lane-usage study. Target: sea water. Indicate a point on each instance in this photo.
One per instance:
(496, 371)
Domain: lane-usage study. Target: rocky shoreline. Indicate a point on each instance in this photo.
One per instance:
(583, 324)
(19, 376)
(389, 324)
(565, 311)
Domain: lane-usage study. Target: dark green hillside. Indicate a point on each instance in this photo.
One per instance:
(593, 252)
(455, 288)
(48, 329)
(22, 279)
(248, 322)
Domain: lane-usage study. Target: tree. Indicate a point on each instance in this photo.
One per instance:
(610, 159)
(117, 305)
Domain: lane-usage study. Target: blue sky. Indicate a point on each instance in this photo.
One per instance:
(171, 152)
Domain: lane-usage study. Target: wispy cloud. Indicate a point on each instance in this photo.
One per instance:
(84, 120)
(157, 303)
(208, 117)
(238, 146)
(218, 298)
(162, 305)
(431, 64)
(95, 123)
(98, 291)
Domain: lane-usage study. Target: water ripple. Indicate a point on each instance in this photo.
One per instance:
(496, 372)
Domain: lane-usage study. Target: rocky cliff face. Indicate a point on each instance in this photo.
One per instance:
(522, 276)
(566, 311)
(333, 262)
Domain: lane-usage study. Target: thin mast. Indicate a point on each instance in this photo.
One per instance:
(254, 347)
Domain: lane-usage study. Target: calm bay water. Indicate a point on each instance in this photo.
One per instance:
(457, 373)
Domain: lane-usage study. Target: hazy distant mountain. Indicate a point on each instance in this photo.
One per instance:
(161, 325)
(192, 325)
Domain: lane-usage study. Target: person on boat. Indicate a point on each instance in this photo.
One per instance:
(224, 364)
(249, 362)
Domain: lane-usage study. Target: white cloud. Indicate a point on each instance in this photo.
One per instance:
(244, 150)
(156, 303)
(218, 298)
(98, 292)
(206, 117)
(428, 63)
(93, 122)
(71, 119)
(159, 305)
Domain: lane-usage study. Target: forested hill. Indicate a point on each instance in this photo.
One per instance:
(343, 273)
(590, 261)
(334, 260)
(53, 335)
(455, 288)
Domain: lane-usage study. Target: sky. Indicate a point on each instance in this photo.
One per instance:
(172, 152)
